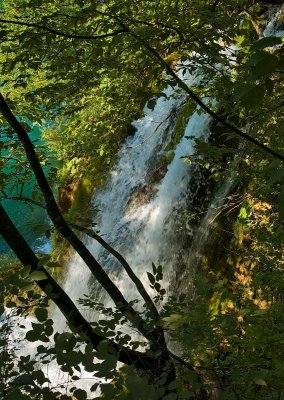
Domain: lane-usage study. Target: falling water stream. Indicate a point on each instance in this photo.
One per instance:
(139, 217)
(141, 212)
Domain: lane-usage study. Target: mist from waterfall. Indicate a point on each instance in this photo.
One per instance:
(142, 215)
(140, 220)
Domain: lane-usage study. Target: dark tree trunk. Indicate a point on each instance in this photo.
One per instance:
(73, 316)
(156, 337)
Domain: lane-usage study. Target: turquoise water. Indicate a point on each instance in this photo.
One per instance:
(31, 220)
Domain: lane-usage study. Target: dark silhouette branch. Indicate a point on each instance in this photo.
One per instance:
(155, 24)
(22, 198)
(63, 228)
(53, 291)
(139, 285)
(204, 107)
(63, 34)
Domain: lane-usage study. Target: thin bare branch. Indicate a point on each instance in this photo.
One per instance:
(139, 285)
(22, 198)
(63, 34)
(63, 228)
(198, 101)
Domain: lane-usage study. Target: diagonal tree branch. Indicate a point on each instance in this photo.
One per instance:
(63, 34)
(61, 225)
(23, 199)
(139, 285)
(155, 24)
(49, 286)
(197, 100)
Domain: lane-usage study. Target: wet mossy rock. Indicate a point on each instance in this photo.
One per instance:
(83, 195)
(65, 196)
(75, 195)
(74, 201)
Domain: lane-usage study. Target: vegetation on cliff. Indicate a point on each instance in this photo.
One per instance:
(83, 69)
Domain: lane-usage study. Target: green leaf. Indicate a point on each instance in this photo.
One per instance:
(249, 95)
(243, 213)
(16, 394)
(43, 260)
(151, 104)
(260, 382)
(65, 340)
(38, 276)
(25, 271)
(241, 91)
(41, 349)
(277, 176)
(173, 385)
(94, 387)
(22, 380)
(28, 287)
(41, 314)
(173, 318)
(40, 377)
(101, 151)
(186, 394)
(268, 41)
(80, 394)
(32, 336)
(53, 264)
(151, 278)
(263, 63)
(269, 85)
(159, 276)
(48, 395)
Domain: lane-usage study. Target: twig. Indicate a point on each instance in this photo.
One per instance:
(140, 287)
(63, 34)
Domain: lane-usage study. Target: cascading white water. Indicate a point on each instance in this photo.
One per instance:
(275, 26)
(139, 221)
(141, 224)
(139, 218)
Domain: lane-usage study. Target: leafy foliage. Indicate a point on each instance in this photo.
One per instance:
(84, 70)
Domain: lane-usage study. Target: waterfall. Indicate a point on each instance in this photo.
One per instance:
(140, 218)
(275, 26)
(141, 215)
